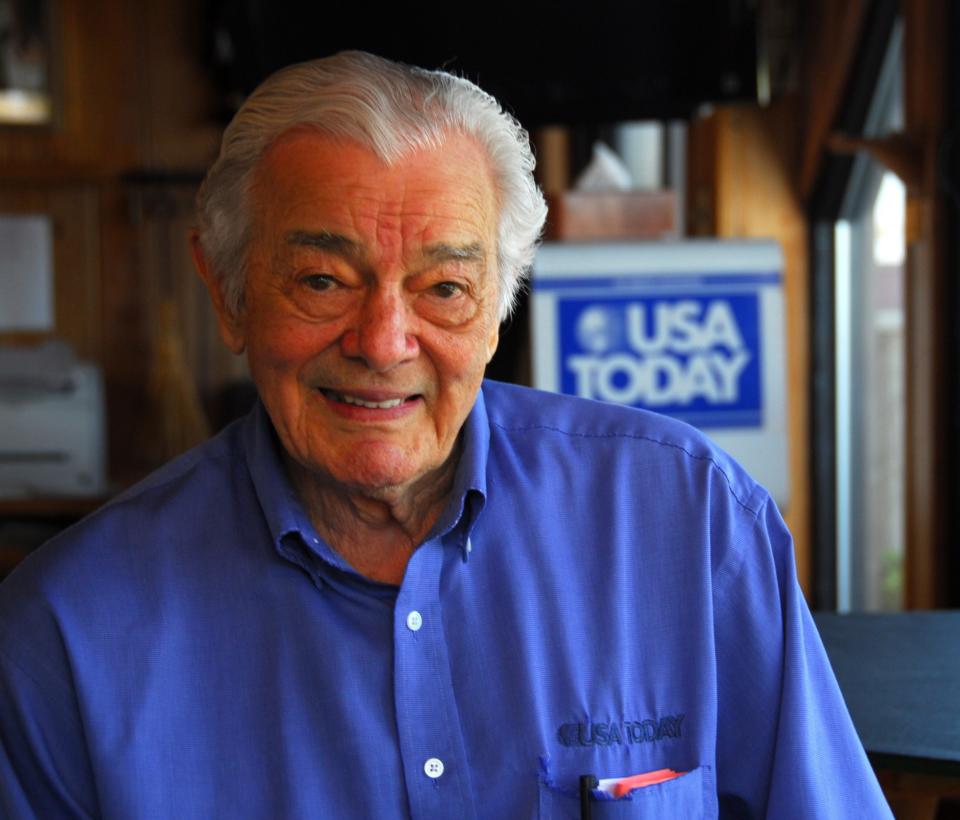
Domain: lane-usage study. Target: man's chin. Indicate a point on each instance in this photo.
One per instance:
(380, 470)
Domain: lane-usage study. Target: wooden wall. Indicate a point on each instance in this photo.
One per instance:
(134, 103)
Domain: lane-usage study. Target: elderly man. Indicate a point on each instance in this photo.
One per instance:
(394, 590)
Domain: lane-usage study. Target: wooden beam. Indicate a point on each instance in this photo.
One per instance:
(832, 38)
(925, 44)
(900, 153)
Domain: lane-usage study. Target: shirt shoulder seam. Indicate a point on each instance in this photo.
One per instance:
(729, 571)
(755, 513)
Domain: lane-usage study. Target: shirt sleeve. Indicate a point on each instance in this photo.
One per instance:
(44, 768)
(786, 746)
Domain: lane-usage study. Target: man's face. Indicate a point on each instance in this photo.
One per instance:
(370, 304)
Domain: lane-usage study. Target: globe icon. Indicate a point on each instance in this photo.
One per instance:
(599, 329)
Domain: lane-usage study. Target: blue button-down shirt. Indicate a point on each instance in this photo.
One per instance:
(606, 593)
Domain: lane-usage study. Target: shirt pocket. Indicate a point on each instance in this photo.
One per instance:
(677, 799)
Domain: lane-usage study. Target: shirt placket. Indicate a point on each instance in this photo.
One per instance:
(428, 724)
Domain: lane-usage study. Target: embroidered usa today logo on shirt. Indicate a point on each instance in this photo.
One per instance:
(623, 732)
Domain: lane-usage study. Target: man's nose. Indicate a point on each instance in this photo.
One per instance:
(382, 333)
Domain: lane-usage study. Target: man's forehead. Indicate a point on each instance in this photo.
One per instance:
(338, 154)
(335, 195)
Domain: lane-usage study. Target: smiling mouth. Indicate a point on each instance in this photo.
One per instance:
(346, 398)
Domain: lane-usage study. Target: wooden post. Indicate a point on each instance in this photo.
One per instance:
(924, 88)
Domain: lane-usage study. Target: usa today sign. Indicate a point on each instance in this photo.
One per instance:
(693, 357)
(690, 329)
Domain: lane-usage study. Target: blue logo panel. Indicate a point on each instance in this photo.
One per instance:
(695, 357)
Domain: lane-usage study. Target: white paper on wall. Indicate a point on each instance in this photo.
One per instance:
(26, 272)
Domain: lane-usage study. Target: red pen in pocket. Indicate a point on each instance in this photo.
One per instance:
(619, 786)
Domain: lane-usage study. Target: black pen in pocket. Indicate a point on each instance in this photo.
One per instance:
(587, 784)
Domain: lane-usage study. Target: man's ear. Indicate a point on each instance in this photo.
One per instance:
(231, 326)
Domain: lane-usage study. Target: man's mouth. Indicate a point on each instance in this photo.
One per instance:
(346, 398)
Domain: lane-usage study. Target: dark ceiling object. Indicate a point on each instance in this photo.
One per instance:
(548, 62)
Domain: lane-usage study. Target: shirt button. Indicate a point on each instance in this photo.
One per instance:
(414, 622)
(433, 767)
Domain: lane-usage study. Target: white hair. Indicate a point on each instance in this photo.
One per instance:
(390, 108)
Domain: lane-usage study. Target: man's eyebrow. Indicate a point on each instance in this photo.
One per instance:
(348, 248)
(443, 252)
(324, 241)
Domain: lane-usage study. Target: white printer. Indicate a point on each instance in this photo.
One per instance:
(52, 423)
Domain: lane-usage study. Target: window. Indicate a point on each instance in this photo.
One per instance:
(869, 242)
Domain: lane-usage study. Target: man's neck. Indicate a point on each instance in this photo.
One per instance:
(376, 531)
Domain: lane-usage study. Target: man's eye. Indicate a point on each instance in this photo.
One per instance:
(447, 290)
(319, 281)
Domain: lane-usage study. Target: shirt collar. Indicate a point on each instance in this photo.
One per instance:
(281, 507)
(469, 492)
(284, 513)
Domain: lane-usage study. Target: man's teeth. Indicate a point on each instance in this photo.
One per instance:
(373, 405)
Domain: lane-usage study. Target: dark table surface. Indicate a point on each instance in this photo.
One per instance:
(900, 676)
